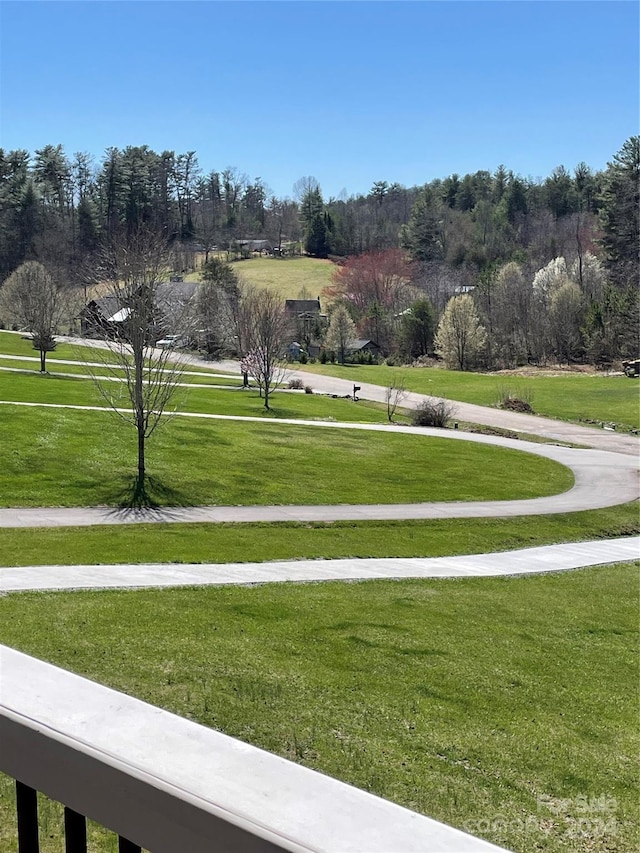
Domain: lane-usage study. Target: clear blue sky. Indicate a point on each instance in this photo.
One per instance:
(350, 92)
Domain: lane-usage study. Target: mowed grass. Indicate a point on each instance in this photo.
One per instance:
(108, 373)
(233, 543)
(58, 457)
(473, 701)
(576, 397)
(232, 400)
(12, 343)
(290, 277)
(74, 358)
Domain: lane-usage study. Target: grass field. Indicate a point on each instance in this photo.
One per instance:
(293, 278)
(71, 458)
(574, 397)
(78, 391)
(221, 543)
(474, 701)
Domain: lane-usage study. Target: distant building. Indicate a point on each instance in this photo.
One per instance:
(261, 246)
(363, 345)
(298, 307)
(103, 316)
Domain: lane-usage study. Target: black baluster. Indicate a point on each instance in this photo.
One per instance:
(27, 808)
(75, 831)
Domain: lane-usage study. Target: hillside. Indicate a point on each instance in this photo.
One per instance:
(292, 277)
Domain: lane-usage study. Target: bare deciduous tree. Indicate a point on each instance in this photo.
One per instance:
(262, 328)
(395, 394)
(141, 379)
(32, 300)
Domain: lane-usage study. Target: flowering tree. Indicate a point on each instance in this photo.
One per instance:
(341, 332)
(375, 286)
(460, 337)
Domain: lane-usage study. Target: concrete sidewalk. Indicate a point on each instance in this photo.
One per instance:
(548, 558)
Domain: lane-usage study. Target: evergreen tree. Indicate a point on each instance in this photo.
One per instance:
(416, 330)
(422, 236)
(620, 214)
(316, 242)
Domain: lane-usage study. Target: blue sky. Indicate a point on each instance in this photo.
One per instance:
(350, 92)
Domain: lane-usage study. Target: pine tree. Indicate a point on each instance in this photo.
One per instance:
(620, 214)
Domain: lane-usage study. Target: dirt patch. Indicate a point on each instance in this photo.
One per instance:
(513, 404)
(529, 370)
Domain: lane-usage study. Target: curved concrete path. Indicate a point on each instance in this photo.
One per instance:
(548, 558)
(601, 479)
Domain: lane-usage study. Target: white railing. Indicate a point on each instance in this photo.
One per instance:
(172, 786)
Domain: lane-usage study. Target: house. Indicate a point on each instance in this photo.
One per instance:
(101, 317)
(260, 246)
(104, 316)
(363, 345)
(306, 323)
(302, 307)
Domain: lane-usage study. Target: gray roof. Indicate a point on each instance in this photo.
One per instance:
(168, 290)
(114, 309)
(361, 343)
(302, 306)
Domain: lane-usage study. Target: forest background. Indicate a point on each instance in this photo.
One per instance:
(551, 265)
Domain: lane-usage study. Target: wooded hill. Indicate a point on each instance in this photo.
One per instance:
(460, 232)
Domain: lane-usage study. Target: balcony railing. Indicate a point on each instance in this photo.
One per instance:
(168, 785)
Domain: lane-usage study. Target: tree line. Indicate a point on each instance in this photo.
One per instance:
(56, 206)
(488, 235)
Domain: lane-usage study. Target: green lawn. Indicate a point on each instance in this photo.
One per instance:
(70, 458)
(13, 344)
(230, 543)
(576, 397)
(289, 276)
(107, 372)
(474, 701)
(69, 390)
(468, 700)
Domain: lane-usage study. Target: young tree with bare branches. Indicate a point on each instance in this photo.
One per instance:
(262, 329)
(140, 379)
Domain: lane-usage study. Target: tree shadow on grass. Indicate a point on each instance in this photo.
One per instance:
(150, 495)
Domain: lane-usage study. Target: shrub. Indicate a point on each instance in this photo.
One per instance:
(303, 357)
(433, 413)
(323, 357)
(308, 389)
(296, 384)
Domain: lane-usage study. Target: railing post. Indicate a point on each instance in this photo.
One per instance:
(125, 846)
(27, 808)
(75, 831)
